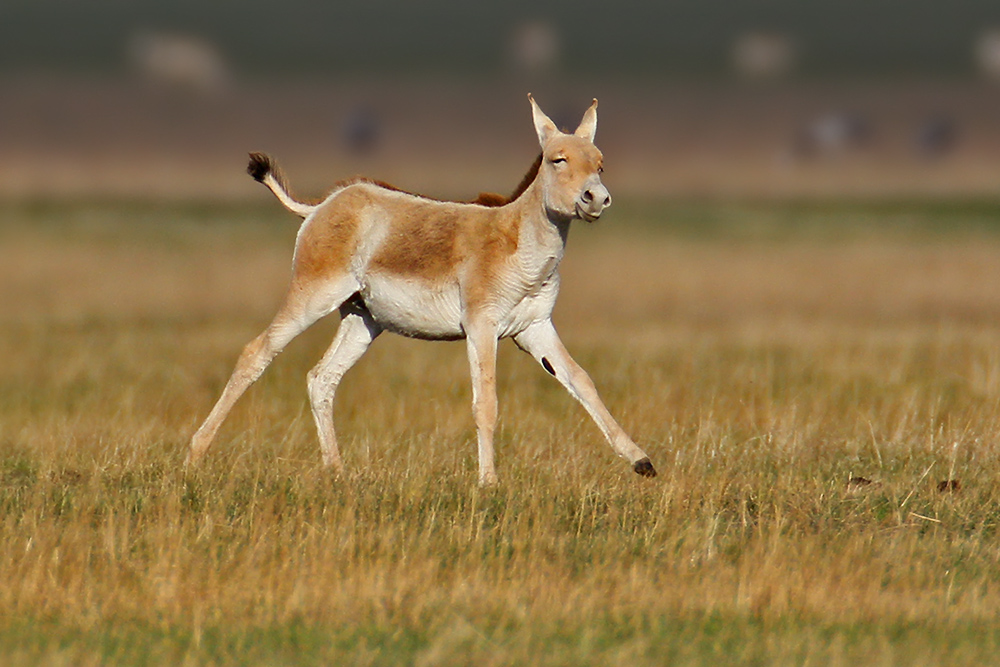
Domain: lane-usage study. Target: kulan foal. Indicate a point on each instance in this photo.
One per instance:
(480, 271)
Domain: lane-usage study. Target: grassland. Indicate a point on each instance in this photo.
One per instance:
(763, 354)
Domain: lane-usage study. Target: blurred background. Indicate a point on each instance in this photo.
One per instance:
(741, 98)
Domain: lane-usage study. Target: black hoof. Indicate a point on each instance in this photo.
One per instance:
(645, 468)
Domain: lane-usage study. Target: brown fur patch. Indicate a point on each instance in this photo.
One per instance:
(422, 243)
(429, 239)
(328, 242)
(493, 243)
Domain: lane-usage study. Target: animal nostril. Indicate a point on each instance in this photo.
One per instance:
(607, 201)
(587, 197)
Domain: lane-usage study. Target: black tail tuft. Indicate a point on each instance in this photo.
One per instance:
(260, 166)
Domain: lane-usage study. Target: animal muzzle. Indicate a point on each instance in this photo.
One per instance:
(592, 202)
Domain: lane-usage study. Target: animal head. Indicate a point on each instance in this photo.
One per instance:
(570, 172)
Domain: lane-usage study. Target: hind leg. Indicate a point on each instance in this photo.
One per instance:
(300, 311)
(357, 331)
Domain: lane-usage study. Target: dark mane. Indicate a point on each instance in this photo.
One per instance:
(528, 179)
(488, 199)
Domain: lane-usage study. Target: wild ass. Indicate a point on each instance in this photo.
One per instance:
(482, 271)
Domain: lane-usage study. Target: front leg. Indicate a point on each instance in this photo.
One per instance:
(541, 341)
(481, 341)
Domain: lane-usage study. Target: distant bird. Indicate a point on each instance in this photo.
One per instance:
(763, 55)
(534, 47)
(179, 61)
(832, 133)
(361, 129)
(936, 136)
(988, 53)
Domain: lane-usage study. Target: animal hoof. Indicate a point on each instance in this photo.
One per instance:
(645, 468)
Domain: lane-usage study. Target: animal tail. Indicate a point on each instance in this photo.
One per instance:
(263, 170)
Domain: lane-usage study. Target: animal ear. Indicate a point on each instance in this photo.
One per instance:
(544, 126)
(588, 126)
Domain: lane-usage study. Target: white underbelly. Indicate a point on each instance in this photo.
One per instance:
(422, 309)
(415, 308)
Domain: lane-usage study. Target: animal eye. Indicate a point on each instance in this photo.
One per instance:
(600, 170)
(558, 160)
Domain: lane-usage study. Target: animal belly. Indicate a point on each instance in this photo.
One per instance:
(415, 308)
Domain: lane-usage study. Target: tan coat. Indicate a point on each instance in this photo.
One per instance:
(480, 271)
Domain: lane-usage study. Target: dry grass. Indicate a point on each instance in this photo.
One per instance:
(762, 370)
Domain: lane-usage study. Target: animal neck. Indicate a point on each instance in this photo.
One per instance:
(546, 227)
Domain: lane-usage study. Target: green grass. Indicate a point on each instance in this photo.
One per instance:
(760, 377)
(676, 641)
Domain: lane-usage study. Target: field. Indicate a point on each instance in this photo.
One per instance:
(817, 383)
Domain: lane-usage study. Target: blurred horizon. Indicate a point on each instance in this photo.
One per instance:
(680, 39)
(707, 98)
